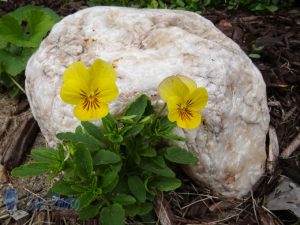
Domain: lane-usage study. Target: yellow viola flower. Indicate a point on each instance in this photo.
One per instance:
(184, 100)
(89, 89)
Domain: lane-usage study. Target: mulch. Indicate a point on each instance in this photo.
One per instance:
(279, 64)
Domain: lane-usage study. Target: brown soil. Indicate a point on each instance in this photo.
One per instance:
(279, 63)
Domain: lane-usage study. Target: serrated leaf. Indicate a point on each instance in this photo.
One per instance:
(45, 155)
(113, 215)
(138, 209)
(166, 183)
(109, 123)
(115, 138)
(32, 169)
(124, 199)
(133, 131)
(85, 199)
(63, 188)
(89, 212)
(93, 130)
(110, 181)
(148, 152)
(90, 142)
(179, 155)
(104, 157)
(137, 188)
(137, 108)
(83, 162)
(155, 166)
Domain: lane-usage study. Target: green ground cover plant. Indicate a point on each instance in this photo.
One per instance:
(116, 169)
(21, 33)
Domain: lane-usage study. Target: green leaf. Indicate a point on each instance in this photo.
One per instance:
(63, 188)
(93, 130)
(109, 123)
(14, 64)
(172, 137)
(89, 212)
(124, 199)
(90, 142)
(165, 183)
(137, 188)
(148, 152)
(157, 165)
(135, 130)
(115, 138)
(104, 157)
(45, 155)
(83, 161)
(179, 155)
(110, 181)
(113, 215)
(137, 108)
(85, 199)
(38, 22)
(254, 56)
(138, 209)
(32, 169)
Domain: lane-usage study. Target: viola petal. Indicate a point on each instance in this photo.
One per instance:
(85, 113)
(172, 86)
(75, 80)
(198, 99)
(173, 104)
(188, 82)
(191, 123)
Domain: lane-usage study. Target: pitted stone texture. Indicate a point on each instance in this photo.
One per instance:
(145, 46)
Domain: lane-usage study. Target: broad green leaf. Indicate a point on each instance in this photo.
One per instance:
(14, 64)
(32, 169)
(38, 22)
(172, 137)
(63, 188)
(165, 183)
(155, 165)
(104, 157)
(137, 108)
(113, 215)
(45, 155)
(124, 199)
(83, 161)
(138, 209)
(85, 199)
(89, 212)
(148, 152)
(93, 130)
(179, 155)
(137, 188)
(90, 142)
(110, 181)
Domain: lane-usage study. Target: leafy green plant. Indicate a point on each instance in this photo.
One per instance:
(197, 5)
(21, 32)
(114, 170)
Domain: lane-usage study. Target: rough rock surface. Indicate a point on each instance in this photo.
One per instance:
(145, 46)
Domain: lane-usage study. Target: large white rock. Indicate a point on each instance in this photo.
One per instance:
(146, 46)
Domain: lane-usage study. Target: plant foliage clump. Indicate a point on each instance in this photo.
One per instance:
(21, 32)
(114, 170)
(198, 5)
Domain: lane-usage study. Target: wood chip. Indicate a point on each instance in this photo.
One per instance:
(273, 150)
(162, 210)
(291, 147)
(3, 175)
(18, 141)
